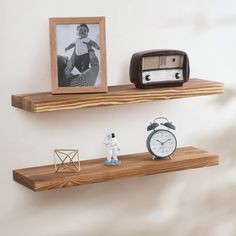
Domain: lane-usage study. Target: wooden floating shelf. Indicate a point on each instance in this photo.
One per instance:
(93, 171)
(116, 95)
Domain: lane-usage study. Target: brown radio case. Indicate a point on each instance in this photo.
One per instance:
(136, 68)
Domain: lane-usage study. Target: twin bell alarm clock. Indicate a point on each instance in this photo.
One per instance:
(161, 142)
(159, 68)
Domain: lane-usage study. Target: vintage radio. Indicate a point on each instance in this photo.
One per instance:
(159, 68)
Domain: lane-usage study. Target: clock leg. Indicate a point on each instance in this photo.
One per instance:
(170, 157)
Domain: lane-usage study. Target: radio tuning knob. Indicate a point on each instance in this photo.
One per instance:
(177, 75)
(148, 77)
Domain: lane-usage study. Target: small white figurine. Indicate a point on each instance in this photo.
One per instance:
(113, 146)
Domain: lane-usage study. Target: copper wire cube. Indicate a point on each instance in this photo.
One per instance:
(66, 160)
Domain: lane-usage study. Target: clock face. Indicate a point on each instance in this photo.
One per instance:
(161, 143)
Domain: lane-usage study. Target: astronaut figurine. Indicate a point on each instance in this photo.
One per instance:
(113, 146)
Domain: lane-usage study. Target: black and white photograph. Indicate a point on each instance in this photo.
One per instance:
(78, 55)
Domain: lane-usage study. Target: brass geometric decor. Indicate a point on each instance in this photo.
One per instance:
(66, 160)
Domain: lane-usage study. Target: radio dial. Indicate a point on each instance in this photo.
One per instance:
(177, 75)
(148, 77)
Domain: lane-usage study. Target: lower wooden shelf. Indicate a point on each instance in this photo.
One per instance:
(93, 171)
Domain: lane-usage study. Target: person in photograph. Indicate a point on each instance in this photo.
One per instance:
(83, 59)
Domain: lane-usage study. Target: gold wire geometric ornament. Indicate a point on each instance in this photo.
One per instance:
(68, 160)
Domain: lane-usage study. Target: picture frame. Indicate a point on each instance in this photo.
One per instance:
(78, 55)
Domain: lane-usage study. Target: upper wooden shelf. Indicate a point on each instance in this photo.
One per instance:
(132, 165)
(116, 95)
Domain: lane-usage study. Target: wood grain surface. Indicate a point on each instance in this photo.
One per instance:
(116, 95)
(93, 171)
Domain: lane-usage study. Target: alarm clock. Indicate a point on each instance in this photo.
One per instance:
(161, 142)
(159, 68)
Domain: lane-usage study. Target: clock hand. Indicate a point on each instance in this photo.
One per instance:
(159, 141)
(166, 141)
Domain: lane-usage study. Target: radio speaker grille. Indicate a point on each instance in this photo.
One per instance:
(157, 62)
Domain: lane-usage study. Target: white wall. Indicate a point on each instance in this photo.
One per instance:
(193, 202)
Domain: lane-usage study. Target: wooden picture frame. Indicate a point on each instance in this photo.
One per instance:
(78, 55)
